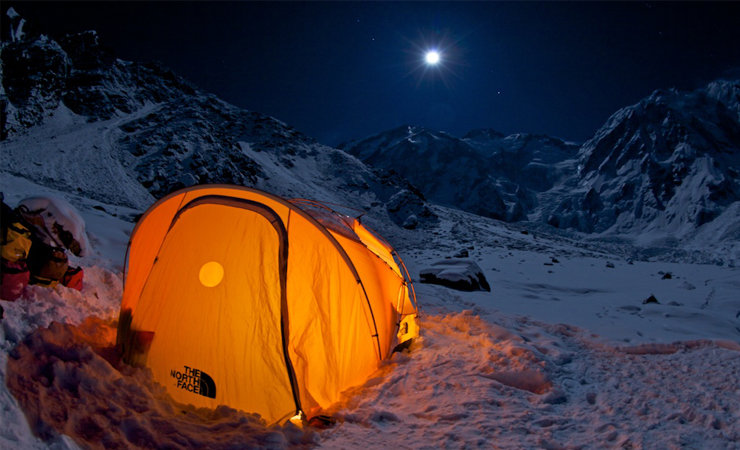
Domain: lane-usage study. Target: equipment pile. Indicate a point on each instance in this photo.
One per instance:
(34, 240)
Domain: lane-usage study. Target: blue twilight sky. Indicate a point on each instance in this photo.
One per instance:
(346, 70)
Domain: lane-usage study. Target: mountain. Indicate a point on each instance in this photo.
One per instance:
(668, 164)
(664, 168)
(485, 172)
(76, 118)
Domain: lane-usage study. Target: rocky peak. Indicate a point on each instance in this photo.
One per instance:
(669, 162)
(41, 74)
(663, 126)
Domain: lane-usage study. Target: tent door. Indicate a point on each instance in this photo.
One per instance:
(217, 297)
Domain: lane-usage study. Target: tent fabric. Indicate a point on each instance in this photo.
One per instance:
(235, 296)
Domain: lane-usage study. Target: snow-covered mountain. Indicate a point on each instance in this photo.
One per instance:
(485, 172)
(666, 168)
(668, 164)
(76, 118)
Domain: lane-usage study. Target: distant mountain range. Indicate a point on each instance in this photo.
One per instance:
(76, 118)
(485, 172)
(668, 164)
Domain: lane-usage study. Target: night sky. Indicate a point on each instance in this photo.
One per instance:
(340, 71)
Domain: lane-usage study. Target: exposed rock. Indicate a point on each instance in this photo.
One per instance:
(462, 275)
(463, 253)
(409, 210)
(650, 299)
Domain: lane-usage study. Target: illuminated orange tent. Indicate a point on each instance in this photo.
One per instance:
(238, 297)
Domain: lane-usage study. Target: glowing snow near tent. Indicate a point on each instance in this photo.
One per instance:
(432, 57)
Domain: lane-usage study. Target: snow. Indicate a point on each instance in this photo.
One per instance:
(525, 384)
(69, 380)
(562, 352)
(52, 155)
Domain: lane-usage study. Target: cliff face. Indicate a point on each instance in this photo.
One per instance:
(485, 172)
(669, 162)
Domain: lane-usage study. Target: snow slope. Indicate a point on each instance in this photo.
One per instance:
(518, 383)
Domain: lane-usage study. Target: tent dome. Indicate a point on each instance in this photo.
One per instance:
(239, 297)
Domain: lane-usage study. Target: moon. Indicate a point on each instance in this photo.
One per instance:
(432, 57)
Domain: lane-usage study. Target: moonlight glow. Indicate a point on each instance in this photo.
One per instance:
(432, 57)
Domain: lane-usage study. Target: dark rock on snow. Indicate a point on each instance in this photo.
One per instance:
(461, 274)
(650, 299)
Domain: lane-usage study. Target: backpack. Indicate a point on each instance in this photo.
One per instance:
(15, 236)
(14, 276)
(16, 242)
(73, 278)
(32, 254)
(47, 264)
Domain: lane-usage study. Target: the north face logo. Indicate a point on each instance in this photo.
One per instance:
(195, 381)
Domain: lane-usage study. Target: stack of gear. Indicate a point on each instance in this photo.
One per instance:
(34, 239)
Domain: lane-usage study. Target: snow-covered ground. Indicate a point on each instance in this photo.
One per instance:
(561, 353)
